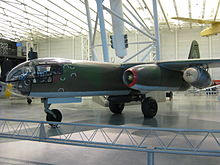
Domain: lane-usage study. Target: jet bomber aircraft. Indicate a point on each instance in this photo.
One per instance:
(122, 83)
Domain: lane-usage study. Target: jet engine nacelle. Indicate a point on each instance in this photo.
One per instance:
(197, 77)
(151, 77)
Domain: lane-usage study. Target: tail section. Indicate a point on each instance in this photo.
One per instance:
(194, 50)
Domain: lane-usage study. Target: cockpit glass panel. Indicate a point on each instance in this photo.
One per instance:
(35, 71)
(48, 70)
(44, 70)
(21, 73)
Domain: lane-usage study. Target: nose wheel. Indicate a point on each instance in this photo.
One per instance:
(53, 115)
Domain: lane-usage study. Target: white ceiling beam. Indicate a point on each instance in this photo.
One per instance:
(25, 18)
(216, 13)
(96, 14)
(164, 15)
(138, 15)
(47, 15)
(203, 9)
(177, 14)
(24, 23)
(144, 27)
(190, 12)
(146, 7)
(132, 25)
(77, 25)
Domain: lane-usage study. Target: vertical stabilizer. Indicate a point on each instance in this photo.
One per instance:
(194, 50)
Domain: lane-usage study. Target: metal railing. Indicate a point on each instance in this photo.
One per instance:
(199, 142)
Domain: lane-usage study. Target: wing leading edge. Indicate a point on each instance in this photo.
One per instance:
(193, 60)
(181, 65)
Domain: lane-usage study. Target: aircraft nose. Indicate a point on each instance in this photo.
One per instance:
(21, 88)
(20, 78)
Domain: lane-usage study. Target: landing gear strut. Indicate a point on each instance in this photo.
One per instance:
(53, 115)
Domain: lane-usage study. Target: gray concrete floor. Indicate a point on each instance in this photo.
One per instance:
(196, 112)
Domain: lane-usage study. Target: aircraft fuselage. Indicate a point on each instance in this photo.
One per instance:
(47, 78)
(82, 79)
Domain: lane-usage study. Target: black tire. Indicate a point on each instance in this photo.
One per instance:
(58, 117)
(116, 108)
(149, 107)
(29, 101)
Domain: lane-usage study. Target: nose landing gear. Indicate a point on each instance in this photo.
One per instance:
(53, 115)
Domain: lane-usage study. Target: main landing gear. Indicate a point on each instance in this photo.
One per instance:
(116, 108)
(29, 101)
(53, 115)
(148, 105)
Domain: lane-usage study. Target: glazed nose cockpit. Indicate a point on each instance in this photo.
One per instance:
(39, 71)
(21, 77)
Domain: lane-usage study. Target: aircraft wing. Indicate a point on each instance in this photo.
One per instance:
(200, 21)
(183, 64)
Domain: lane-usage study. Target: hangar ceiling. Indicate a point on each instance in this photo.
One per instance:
(39, 19)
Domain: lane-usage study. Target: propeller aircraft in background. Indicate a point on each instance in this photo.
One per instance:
(213, 30)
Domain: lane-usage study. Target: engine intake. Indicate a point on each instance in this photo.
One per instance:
(130, 77)
(197, 77)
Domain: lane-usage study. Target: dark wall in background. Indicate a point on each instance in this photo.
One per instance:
(8, 57)
(8, 48)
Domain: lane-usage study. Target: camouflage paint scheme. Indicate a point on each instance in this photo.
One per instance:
(57, 77)
(81, 76)
(60, 79)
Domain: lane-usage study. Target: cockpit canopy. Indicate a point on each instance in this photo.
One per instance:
(21, 73)
(35, 71)
(36, 68)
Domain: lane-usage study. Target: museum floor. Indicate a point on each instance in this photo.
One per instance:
(195, 112)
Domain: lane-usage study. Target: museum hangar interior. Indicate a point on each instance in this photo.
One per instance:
(131, 35)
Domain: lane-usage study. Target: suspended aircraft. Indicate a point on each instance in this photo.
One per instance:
(56, 78)
(213, 30)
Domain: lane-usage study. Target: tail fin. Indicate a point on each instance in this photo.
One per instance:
(194, 50)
